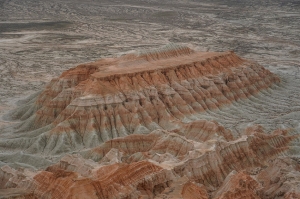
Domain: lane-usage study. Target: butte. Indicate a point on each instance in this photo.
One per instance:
(133, 127)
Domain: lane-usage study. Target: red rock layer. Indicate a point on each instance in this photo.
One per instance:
(238, 186)
(113, 181)
(139, 119)
(192, 191)
(147, 146)
(76, 177)
(111, 98)
(253, 151)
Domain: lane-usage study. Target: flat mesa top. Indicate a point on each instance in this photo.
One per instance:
(131, 63)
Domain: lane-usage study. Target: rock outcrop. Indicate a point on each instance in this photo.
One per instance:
(281, 179)
(134, 127)
(191, 190)
(116, 97)
(238, 185)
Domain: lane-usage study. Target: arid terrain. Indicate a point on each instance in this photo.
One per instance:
(149, 99)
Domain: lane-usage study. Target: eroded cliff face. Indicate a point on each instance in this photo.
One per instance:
(133, 127)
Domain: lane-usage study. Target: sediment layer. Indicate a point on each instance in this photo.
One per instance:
(116, 97)
(134, 127)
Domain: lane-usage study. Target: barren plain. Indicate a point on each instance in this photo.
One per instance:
(244, 144)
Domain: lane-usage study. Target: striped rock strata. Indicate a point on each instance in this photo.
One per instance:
(116, 97)
(211, 172)
(133, 127)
